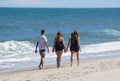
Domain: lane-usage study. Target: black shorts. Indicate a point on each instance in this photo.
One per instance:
(59, 47)
(42, 52)
(74, 49)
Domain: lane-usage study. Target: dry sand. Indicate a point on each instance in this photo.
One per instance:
(94, 70)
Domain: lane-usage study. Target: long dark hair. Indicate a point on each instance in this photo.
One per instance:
(74, 36)
(59, 34)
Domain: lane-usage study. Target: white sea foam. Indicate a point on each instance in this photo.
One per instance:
(112, 32)
(15, 51)
(6, 66)
(11, 48)
(15, 54)
(101, 47)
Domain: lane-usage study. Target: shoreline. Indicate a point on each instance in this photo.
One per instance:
(23, 61)
(65, 60)
(87, 71)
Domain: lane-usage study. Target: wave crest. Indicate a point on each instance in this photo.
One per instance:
(101, 47)
(112, 32)
(15, 47)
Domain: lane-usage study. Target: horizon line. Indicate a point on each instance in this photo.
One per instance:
(60, 7)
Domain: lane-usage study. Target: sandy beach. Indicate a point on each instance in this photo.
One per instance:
(99, 32)
(94, 70)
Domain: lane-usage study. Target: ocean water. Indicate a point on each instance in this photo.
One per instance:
(99, 30)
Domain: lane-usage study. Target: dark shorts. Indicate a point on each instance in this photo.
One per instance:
(59, 47)
(43, 52)
(74, 49)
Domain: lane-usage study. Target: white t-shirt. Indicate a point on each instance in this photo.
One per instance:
(41, 40)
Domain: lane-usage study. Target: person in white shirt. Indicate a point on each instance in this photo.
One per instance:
(43, 44)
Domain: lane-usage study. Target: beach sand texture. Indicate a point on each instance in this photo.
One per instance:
(94, 70)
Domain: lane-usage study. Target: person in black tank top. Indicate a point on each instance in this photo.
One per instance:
(74, 43)
(58, 46)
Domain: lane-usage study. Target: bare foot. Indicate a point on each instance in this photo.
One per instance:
(39, 66)
(58, 66)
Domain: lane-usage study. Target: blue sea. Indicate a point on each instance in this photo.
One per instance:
(99, 30)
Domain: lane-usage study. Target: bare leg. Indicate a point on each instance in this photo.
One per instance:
(57, 61)
(41, 62)
(59, 54)
(71, 59)
(78, 58)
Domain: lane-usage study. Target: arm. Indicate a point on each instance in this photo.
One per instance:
(65, 49)
(47, 46)
(36, 47)
(69, 43)
(46, 43)
(79, 44)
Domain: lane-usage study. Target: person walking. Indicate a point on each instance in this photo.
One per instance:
(42, 44)
(58, 47)
(74, 43)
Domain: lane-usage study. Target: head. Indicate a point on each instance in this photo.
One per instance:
(59, 34)
(76, 35)
(42, 32)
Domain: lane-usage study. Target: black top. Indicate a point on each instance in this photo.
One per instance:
(59, 46)
(74, 45)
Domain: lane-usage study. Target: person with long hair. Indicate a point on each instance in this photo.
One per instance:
(58, 47)
(74, 43)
